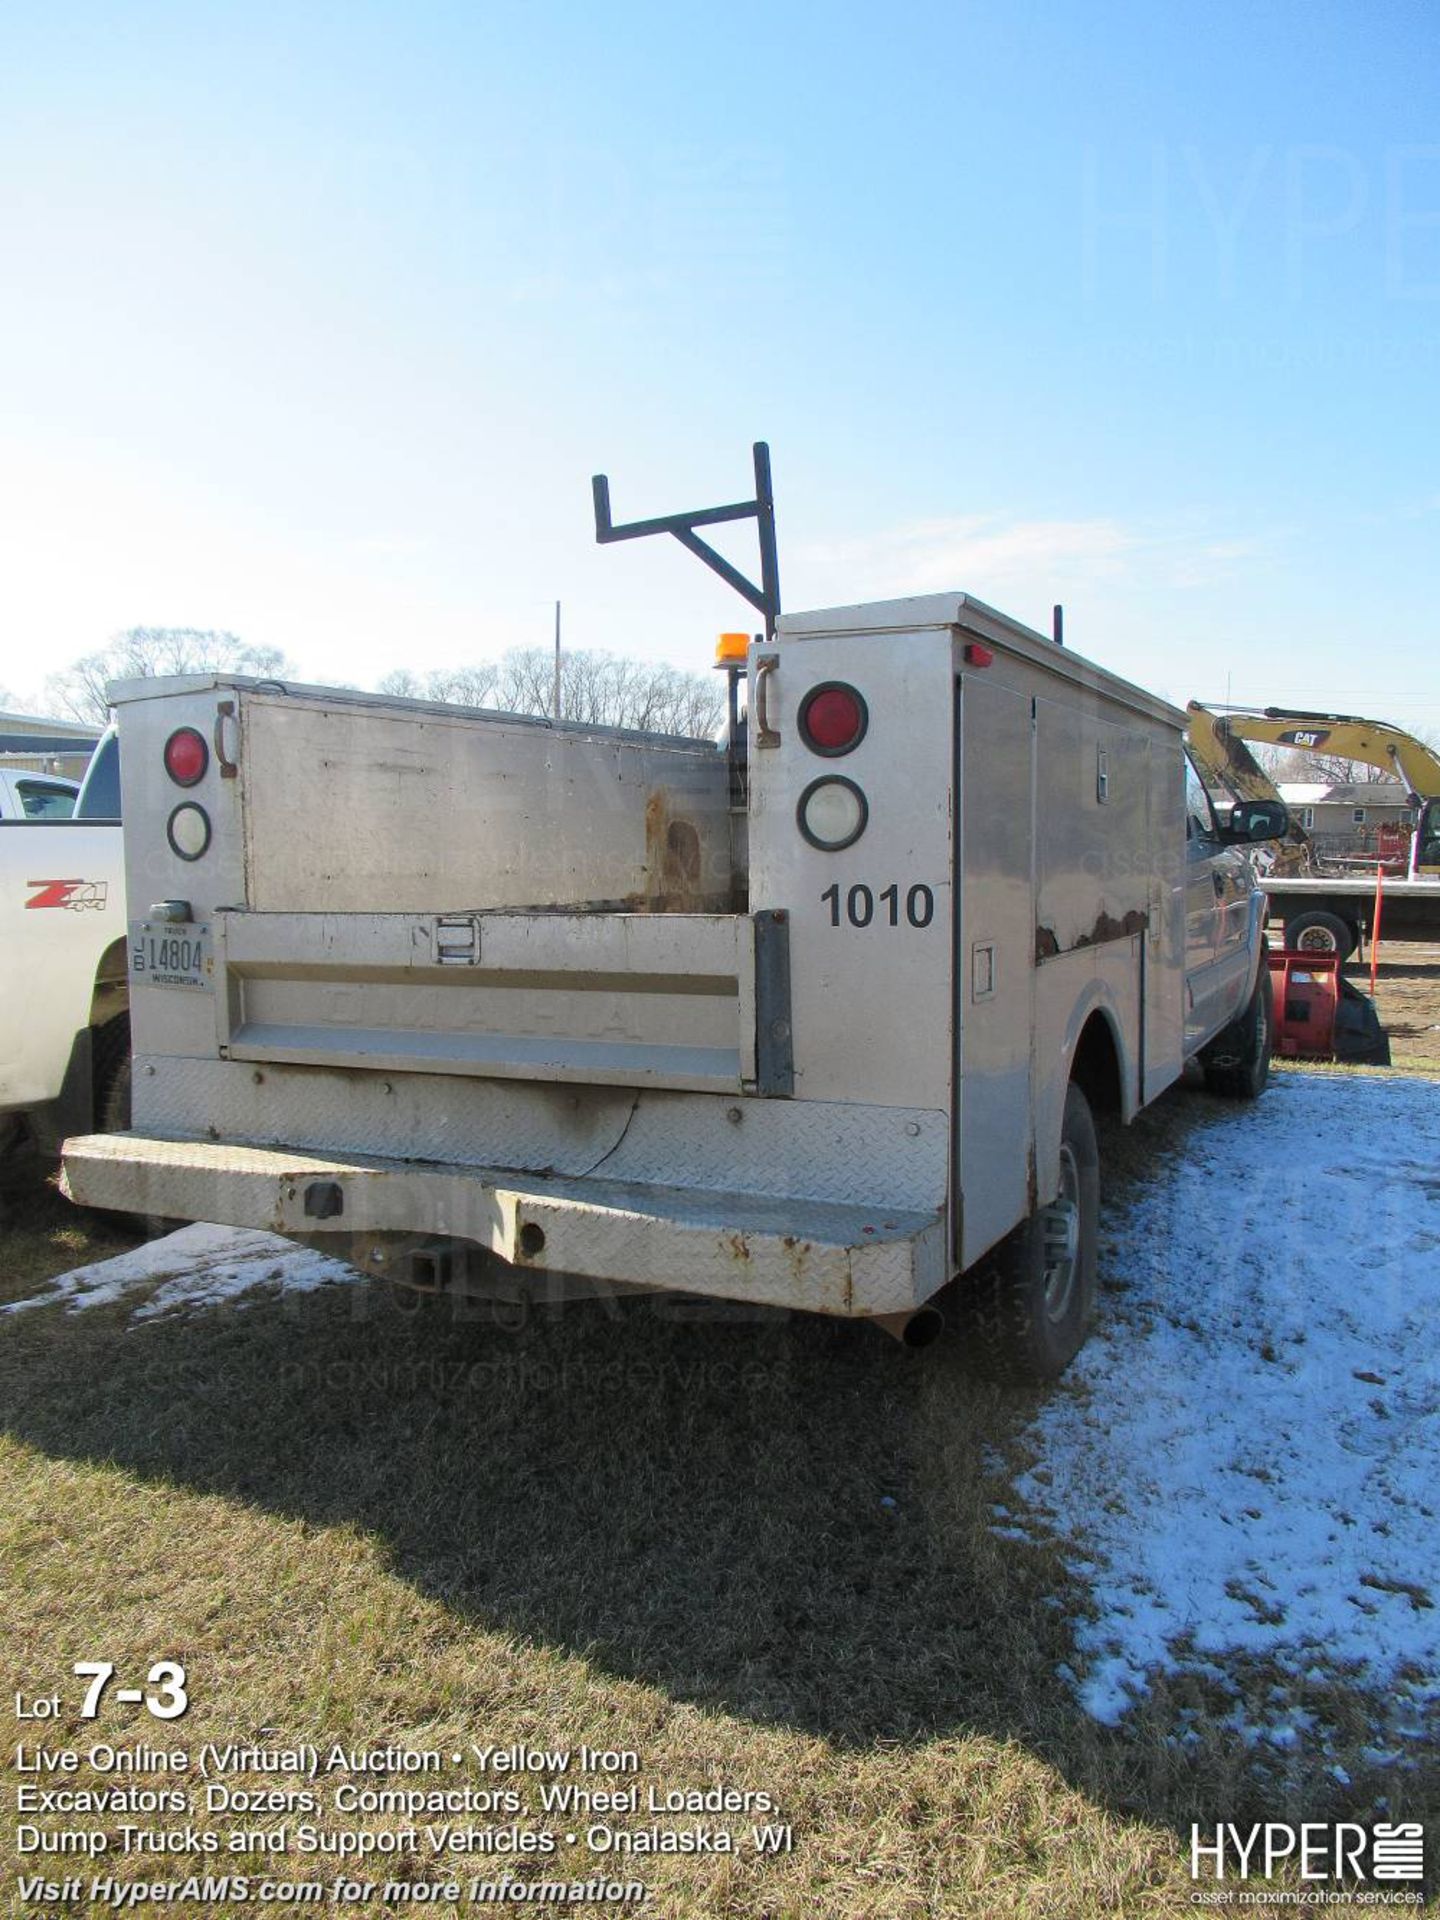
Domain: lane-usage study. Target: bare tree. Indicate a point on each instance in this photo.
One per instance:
(1324, 769)
(146, 653)
(603, 689)
(608, 690)
(456, 686)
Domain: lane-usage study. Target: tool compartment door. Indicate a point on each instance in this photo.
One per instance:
(614, 999)
(994, 970)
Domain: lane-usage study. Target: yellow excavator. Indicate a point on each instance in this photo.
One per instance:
(1329, 912)
(1216, 740)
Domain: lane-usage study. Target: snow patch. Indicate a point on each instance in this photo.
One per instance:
(199, 1266)
(1248, 1452)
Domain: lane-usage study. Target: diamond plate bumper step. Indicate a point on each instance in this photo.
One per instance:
(820, 1256)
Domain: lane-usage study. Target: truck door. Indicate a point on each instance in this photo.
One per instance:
(1204, 889)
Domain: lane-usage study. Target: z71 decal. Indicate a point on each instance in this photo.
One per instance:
(76, 895)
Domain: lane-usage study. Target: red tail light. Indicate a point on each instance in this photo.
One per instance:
(833, 718)
(186, 757)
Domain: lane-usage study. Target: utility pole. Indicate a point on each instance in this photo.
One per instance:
(557, 660)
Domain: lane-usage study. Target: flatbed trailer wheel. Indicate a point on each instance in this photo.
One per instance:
(1319, 931)
(1028, 1307)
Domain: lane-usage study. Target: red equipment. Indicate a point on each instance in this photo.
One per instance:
(1392, 844)
(1307, 994)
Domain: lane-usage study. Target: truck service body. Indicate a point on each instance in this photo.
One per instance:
(412, 975)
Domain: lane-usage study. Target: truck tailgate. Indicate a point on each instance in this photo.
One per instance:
(613, 999)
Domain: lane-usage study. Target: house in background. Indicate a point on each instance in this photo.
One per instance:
(1346, 820)
(60, 746)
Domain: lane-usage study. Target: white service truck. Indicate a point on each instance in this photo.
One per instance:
(64, 1035)
(821, 1026)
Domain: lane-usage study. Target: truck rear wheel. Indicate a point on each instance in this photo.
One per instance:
(1237, 1061)
(1028, 1308)
(1318, 931)
(110, 1077)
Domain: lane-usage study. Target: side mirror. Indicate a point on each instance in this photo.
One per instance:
(1254, 820)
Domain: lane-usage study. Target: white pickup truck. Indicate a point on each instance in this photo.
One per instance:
(64, 1031)
(35, 796)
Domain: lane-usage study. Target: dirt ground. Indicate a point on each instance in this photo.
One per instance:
(1408, 992)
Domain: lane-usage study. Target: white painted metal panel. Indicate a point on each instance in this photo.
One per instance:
(617, 999)
(995, 965)
(871, 1002)
(62, 906)
(811, 1150)
(355, 807)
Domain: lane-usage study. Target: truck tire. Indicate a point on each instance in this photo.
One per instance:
(1237, 1061)
(110, 1074)
(1319, 931)
(1028, 1308)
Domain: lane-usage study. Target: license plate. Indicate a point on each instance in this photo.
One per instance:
(169, 956)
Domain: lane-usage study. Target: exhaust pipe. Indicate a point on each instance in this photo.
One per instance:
(913, 1330)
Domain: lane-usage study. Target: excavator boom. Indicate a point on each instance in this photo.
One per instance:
(1348, 737)
(1225, 761)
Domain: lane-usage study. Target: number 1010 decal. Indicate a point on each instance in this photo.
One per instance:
(858, 907)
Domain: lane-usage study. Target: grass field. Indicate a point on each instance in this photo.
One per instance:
(758, 1551)
(1407, 992)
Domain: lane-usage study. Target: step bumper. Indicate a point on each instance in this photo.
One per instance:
(816, 1256)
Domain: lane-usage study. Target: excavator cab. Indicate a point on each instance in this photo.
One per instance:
(1427, 841)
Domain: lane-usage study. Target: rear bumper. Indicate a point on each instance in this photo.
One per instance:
(818, 1256)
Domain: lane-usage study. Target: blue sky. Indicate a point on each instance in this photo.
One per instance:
(317, 320)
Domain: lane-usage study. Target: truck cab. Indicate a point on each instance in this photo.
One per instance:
(35, 796)
(1223, 914)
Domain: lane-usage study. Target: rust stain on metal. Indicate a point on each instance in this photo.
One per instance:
(737, 1246)
(1105, 928)
(682, 857)
(672, 860)
(797, 1252)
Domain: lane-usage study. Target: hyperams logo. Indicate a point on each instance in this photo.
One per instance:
(1323, 1850)
(77, 895)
